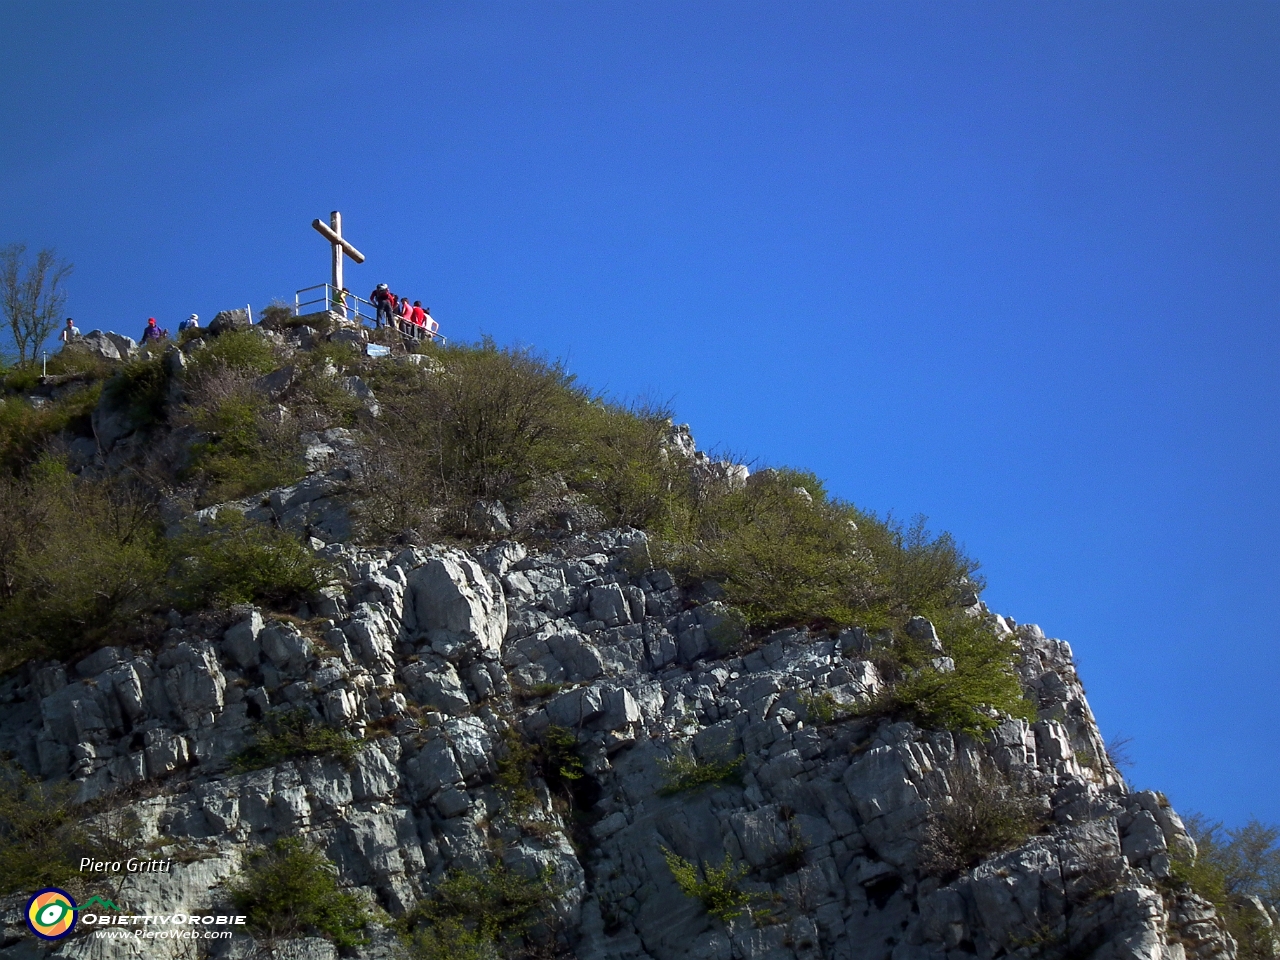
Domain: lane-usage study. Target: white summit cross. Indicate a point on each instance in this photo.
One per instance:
(333, 233)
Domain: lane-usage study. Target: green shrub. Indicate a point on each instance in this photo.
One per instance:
(624, 469)
(449, 940)
(289, 735)
(242, 450)
(969, 698)
(79, 559)
(822, 708)
(472, 914)
(988, 813)
(717, 888)
(290, 889)
(683, 772)
(41, 839)
(27, 431)
(1230, 866)
(141, 388)
(555, 759)
(783, 557)
(242, 351)
(239, 561)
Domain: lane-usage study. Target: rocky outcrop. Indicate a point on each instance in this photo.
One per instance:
(433, 658)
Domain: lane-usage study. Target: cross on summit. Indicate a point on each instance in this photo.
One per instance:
(333, 233)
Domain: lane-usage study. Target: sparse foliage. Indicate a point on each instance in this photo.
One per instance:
(288, 735)
(717, 888)
(32, 296)
(985, 813)
(1230, 866)
(40, 835)
(683, 772)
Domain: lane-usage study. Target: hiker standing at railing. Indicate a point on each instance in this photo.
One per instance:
(429, 324)
(381, 300)
(404, 311)
(339, 301)
(418, 316)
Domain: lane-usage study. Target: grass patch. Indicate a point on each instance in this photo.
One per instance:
(716, 888)
(291, 735)
(290, 889)
(682, 772)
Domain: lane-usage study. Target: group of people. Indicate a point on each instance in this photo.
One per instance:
(154, 333)
(407, 315)
(151, 333)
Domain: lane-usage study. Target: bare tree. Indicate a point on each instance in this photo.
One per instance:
(32, 296)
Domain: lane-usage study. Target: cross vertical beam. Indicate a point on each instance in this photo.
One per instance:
(335, 224)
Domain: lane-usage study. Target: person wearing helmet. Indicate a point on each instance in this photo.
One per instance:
(381, 299)
(191, 323)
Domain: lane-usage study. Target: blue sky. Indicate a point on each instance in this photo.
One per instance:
(1012, 266)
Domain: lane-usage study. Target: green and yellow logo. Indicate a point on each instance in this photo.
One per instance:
(51, 913)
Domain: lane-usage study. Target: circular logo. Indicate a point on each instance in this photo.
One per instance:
(51, 913)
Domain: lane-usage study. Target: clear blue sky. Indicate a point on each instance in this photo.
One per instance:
(1010, 265)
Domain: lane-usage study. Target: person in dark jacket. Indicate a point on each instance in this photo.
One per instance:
(381, 299)
(152, 334)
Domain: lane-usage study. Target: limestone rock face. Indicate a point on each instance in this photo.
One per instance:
(435, 661)
(452, 597)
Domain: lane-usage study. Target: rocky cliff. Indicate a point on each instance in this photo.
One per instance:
(675, 786)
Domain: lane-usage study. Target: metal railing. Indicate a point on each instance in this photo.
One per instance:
(353, 307)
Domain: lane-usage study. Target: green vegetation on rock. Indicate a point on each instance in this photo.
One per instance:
(473, 914)
(41, 838)
(290, 735)
(290, 889)
(716, 888)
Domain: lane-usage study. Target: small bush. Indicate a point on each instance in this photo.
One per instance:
(717, 889)
(241, 351)
(27, 432)
(79, 559)
(822, 708)
(782, 556)
(682, 772)
(243, 448)
(470, 914)
(292, 734)
(554, 759)
(239, 561)
(141, 388)
(988, 813)
(290, 889)
(41, 839)
(969, 698)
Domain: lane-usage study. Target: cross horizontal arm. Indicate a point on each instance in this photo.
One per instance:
(324, 230)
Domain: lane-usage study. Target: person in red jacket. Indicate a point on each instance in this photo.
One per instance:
(404, 310)
(418, 316)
